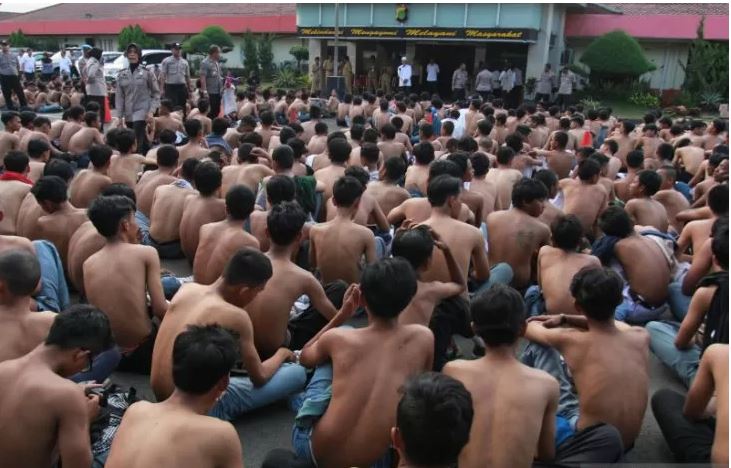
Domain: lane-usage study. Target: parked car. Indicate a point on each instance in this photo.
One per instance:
(150, 58)
(109, 57)
(75, 56)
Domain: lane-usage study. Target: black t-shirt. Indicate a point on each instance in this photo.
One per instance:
(716, 327)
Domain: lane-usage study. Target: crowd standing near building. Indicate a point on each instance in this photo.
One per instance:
(593, 239)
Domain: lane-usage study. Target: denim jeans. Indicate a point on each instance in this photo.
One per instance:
(633, 312)
(683, 362)
(170, 250)
(101, 367)
(242, 396)
(170, 285)
(501, 273)
(534, 302)
(54, 293)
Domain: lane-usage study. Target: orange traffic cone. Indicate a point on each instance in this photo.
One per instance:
(587, 140)
(107, 110)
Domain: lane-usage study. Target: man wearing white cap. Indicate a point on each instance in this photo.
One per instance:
(404, 76)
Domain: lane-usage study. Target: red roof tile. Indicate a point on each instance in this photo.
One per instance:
(641, 9)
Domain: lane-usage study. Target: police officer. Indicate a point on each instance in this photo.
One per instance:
(211, 80)
(10, 76)
(175, 78)
(138, 96)
(96, 85)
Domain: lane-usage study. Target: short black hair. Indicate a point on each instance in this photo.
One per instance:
(16, 161)
(285, 222)
(202, 356)
(167, 156)
(90, 117)
(283, 155)
(547, 177)
(484, 126)
(527, 190)
(298, 149)
(628, 126)
(562, 139)
(480, 163)
(462, 160)
(59, 167)
(267, 118)
(370, 135)
(448, 127)
(359, 173)
(650, 180)
(50, 188)
(167, 137)
(285, 133)
(320, 128)
(588, 168)
(635, 159)
(371, 153)
(598, 291)
(315, 112)
(505, 155)
(247, 267)
(252, 137)
(338, 150)
(426, 129)
(566, 231)
(442, 187)
(27, 117)
(388, 286)
(100, 155)
(444, 167)
(193, 127)
(244, 153)
(612, 145)
(424, 153)
(719, 244)
(718, 199)
(515, 142)
(388, 131)
(219, 125)
(81, 326)
(356, 131)
(498, 315)
(37, 146)
(395, 168)
(119, 188)
(240, 202)
(614, 221)
(665, 152)
(20, 271)
(346, 191)
(280, 188)
(187, 169)
(7, 116)
(106, 212)
(434, 418)
(207, 177)
(124, 140)
(415, 245)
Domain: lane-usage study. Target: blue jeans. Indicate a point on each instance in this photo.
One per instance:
(684, 189)
(501, 273)
(534, 302)
(683, 362)
(632, 312)
(318, 389)
(678, 301)
(170, 250)
(101, 367)
(242, 396)
(170, 285)
(54, 293)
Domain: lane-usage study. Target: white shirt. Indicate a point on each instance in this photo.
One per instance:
(507, 80)
(28, 64)
(64, 65)
(567, 81)
(432, 70)
(404, 75)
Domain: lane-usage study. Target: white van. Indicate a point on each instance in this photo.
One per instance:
(150, 58)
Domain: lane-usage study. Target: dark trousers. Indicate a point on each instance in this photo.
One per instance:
(303, 327)
(485, 95)
(690, 441)
(600, 443)
(29, 76)
(459, 94)
(542, 98)
(102, 115)
(140, 128)
(451, 316)
(215, 100)
(178, 94)
(563, 101)
(139, 361)
(10, 84)
(431, 86)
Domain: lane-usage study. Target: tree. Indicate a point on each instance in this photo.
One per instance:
(251, 60)
(265, 54)
(134, 34)
(707, 68)
(300, 54)
(18, 39)
(616, 56)
(211, 35)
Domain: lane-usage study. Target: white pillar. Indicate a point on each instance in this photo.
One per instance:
(538, 52)
(314, 46)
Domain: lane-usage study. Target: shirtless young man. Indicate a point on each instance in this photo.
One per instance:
(219, 240)
(200, 209)
(504, 177)
(60, 218)
(338, 150)
(270, 310)
(89, 135)
(265, 130)
(585, 197)
(14, 186)
(136, 274)
(163, 226)
(353, 240)
(39, 152)
(388, 146)
(634, 166)
(41, 129)
(609, 149)
(166, 120)
(74, 123)
(417, 175)
(247, 170)
(550, 211)
(30, 211)
(125, 166)
(201, 114)
(680, 416)
(625, 141)
(498, 317)
(673, 201)
(602, 355)
(688, 159)
(318, 142)
(643, 209)
(519, 227)
(386, 191)
(222, 303)
(167, 161)
(643, 263)
(369, 211)
(362, 374)
(474, 201)
(89, 183)
(695, 233)
(20, 329)
(9, 140)
(194, 148)
(557, 265)
(480, 185)
(648, 143)
(202, 357)
(49, 413)
(558, 159)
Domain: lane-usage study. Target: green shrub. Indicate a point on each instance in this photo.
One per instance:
(211, 35)
(648, 100)
(134, 34)
(616, 56)
(707, 68)
(251, 60)
(300, 54)
(288, 79)
(710, 100)
(265, 55)
(590, 104)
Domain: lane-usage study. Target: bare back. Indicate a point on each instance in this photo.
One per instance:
(166, 212)
(197, 211)
(146, 186)
(86, 186)
(645, 267)
(556, 270)
(217, 243)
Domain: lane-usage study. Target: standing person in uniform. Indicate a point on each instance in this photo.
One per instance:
(327, 67)
(96, 85)
(372, 75)
(64, 65)
(518, 86)
(28, 63)
(483, 82)
(81, 66)
(211, 81)
(175, 78)
(348, 74)
(138, 96)
(566, 83)
(404, 76)
(432, 76)
(459, 83)
(544, 85)
(316, 74)
(10, 77)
